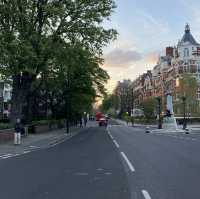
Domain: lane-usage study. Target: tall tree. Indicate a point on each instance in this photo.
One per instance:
(33, 31)
(187, 87)
(148, 107)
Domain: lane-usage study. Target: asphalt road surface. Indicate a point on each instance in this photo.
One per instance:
(166, 166)
(87, 166)
(119, 162)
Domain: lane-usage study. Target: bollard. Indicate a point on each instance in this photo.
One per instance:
(147, 130)
(187, 131)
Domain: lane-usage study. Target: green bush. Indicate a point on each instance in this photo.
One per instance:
(5, 126)
(40, 122)
(144, 120)
(48, 122)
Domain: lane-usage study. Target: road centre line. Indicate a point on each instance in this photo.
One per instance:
(128, 162)
(110, 134)
(116, 144)
(146, 194)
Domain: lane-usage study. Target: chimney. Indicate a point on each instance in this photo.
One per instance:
(170, 51)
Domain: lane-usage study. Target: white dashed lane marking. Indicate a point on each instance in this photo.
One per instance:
(146, 194)
(131, 167)
(116, 144)
(110, 134)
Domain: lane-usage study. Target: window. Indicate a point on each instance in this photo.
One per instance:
(198, 94)
(186, 52)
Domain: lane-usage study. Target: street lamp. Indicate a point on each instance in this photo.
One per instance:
(132, 107)
(159, 112)
(184, 112)
(177, 82)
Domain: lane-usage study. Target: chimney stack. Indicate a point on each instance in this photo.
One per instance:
(170, 51)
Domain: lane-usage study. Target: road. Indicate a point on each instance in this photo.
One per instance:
(166, 166)
(119, 162)
(86, 166)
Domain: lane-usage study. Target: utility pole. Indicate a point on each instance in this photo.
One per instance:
(132, 107)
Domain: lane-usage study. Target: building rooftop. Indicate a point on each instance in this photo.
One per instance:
(187, 37)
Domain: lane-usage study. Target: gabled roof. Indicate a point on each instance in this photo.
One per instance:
(187, 37)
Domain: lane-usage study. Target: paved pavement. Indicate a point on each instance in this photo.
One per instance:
(86, 166)
(194, 128)
(159, 166)
(36, 142)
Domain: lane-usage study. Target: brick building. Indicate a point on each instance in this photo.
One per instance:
(181, 59)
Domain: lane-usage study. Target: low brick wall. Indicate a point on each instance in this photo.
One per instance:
(6, 135)
(41, 128)
(46, 128)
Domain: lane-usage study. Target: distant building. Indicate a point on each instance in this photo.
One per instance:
(5, 99)
(181, 59)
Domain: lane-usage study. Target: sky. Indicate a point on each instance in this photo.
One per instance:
(145, 28)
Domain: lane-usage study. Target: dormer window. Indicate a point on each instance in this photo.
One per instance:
(186, 52)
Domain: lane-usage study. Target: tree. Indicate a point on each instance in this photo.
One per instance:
(33, 32)
(187, 88)
(148, 107)
(110, 104)
(124, 92)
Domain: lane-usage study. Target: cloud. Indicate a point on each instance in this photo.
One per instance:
(151, 25)
(121, 58)
(192, 14)
(152, 57)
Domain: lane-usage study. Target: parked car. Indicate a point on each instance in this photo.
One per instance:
(103, 121)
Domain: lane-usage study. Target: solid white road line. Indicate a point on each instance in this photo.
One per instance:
(146, 194)
(116, 144)
(128, 162)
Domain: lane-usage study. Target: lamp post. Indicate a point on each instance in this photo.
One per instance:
(159, 112)
(184, 112)
(132, 107)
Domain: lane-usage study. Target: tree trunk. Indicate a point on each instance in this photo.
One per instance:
(20, 108)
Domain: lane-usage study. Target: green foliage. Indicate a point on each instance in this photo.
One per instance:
(188, 86)
(57, 46)
(148, 107)
(110, 102)
(144, 120)
(5, 126)
(47, 122)
(126, 117)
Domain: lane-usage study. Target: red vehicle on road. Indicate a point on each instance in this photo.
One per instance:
(103, 122)
(98, 116)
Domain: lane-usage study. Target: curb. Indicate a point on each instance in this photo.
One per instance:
(62, 139)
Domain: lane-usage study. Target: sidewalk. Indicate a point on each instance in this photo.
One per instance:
(34, 142)
(38, 141)
(121, 122)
